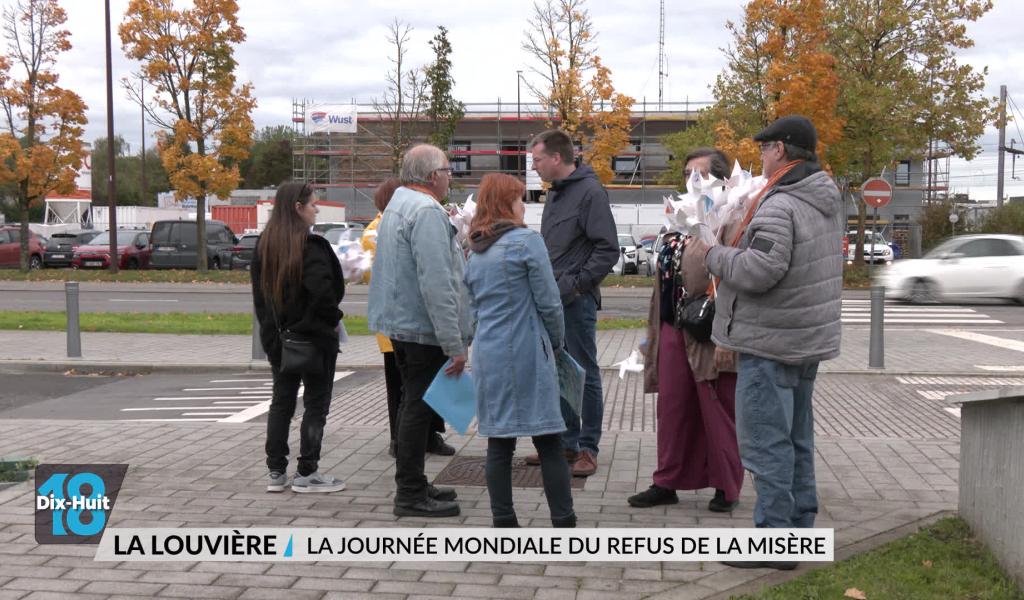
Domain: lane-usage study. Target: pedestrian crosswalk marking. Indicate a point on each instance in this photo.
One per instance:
(856, 311)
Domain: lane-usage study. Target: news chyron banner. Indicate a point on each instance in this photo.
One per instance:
(331, 118)
(466, 544)
(74, 504)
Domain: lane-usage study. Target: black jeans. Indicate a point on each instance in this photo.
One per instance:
(418, 364)
(316, 402)
(554, 470)
(393, 383)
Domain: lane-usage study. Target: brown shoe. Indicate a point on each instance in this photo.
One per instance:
(534, 459)
(585, 465)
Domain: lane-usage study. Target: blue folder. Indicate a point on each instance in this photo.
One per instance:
(571, 379)
(454, 398)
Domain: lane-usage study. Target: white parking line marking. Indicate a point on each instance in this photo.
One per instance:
(180, 408)
(981, 338)
(953, 411)
(217, 389)
(249, 402)
(167, 420)
(261, 408)
(1007, 368)
(205, 414)
(932, 321)
(239, 380)
(175, 398)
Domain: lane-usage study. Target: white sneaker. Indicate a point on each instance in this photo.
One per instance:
(316, 483)
(277, 481)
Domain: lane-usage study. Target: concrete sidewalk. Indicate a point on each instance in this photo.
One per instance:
(886, 459)
(922, 351)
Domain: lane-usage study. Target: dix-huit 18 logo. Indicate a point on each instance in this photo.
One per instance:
(73, 502)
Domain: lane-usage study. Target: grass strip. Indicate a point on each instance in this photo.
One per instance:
(190, 323)
(193, 323)
(942, 561)
(126, 276)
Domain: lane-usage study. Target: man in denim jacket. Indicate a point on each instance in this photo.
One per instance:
(418, 300)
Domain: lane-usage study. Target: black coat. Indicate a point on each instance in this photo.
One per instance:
(312, 310)
(579, 232)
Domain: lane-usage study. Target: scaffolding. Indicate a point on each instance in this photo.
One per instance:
(490, 138)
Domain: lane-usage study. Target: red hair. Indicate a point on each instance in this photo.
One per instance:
(496, 200)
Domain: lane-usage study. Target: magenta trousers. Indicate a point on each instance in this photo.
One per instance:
(696, 424)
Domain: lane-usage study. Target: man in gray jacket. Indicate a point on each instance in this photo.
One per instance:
(579, 232)
(778, 306)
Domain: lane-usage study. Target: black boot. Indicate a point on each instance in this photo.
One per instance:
(436, 445)
(505, 522)
(564, 522)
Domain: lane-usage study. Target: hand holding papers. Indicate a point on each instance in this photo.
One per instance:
(454, 398)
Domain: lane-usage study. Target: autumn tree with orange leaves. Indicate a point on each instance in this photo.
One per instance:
(779, 64)
(187, 57)
(575, 86)
(41, 145)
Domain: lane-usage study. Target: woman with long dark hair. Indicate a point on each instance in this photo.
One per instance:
(296, 288)
(519, 326)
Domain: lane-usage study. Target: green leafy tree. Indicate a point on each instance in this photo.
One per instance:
(270, 159)
(129, 175)
(443, 110)
(902, 88)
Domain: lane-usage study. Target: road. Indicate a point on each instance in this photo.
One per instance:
(617, 302)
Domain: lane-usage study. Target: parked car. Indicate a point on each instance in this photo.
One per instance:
(630, 256)
(647, 246)
(174, 245)
(61, 247)
(883, 252)
(133, 251)
(323, 228)
(10, 248)
(241, 253)
(966, 266)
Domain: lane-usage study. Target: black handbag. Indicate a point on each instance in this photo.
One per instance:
(696, 314)
(299, 355)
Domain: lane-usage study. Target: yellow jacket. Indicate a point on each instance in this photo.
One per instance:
(369, 244)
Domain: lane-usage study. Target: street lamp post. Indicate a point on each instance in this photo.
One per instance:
(520, 156)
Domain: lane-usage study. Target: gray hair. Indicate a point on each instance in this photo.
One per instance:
(420, 162)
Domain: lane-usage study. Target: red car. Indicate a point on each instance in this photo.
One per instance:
(133, 251)
(10, 248)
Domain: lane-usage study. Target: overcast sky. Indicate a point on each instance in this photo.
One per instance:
(336, 51)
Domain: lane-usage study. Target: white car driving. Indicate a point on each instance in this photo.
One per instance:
(962, 267)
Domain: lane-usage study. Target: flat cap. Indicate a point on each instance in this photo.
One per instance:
(792, 129)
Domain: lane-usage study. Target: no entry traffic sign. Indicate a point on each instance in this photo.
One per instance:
(877, 192)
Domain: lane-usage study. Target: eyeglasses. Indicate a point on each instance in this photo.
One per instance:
(766, 146)
(446, 170)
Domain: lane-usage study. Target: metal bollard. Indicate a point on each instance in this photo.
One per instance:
(73, 329)
(876, 354)
(257, 347)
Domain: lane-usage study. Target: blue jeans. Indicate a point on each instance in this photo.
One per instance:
(775, 427)
(581, 342)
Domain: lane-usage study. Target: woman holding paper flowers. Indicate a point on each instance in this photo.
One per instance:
(695, 382)
(519, 325)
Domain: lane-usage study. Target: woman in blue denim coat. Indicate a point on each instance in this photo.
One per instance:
(519, 324)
